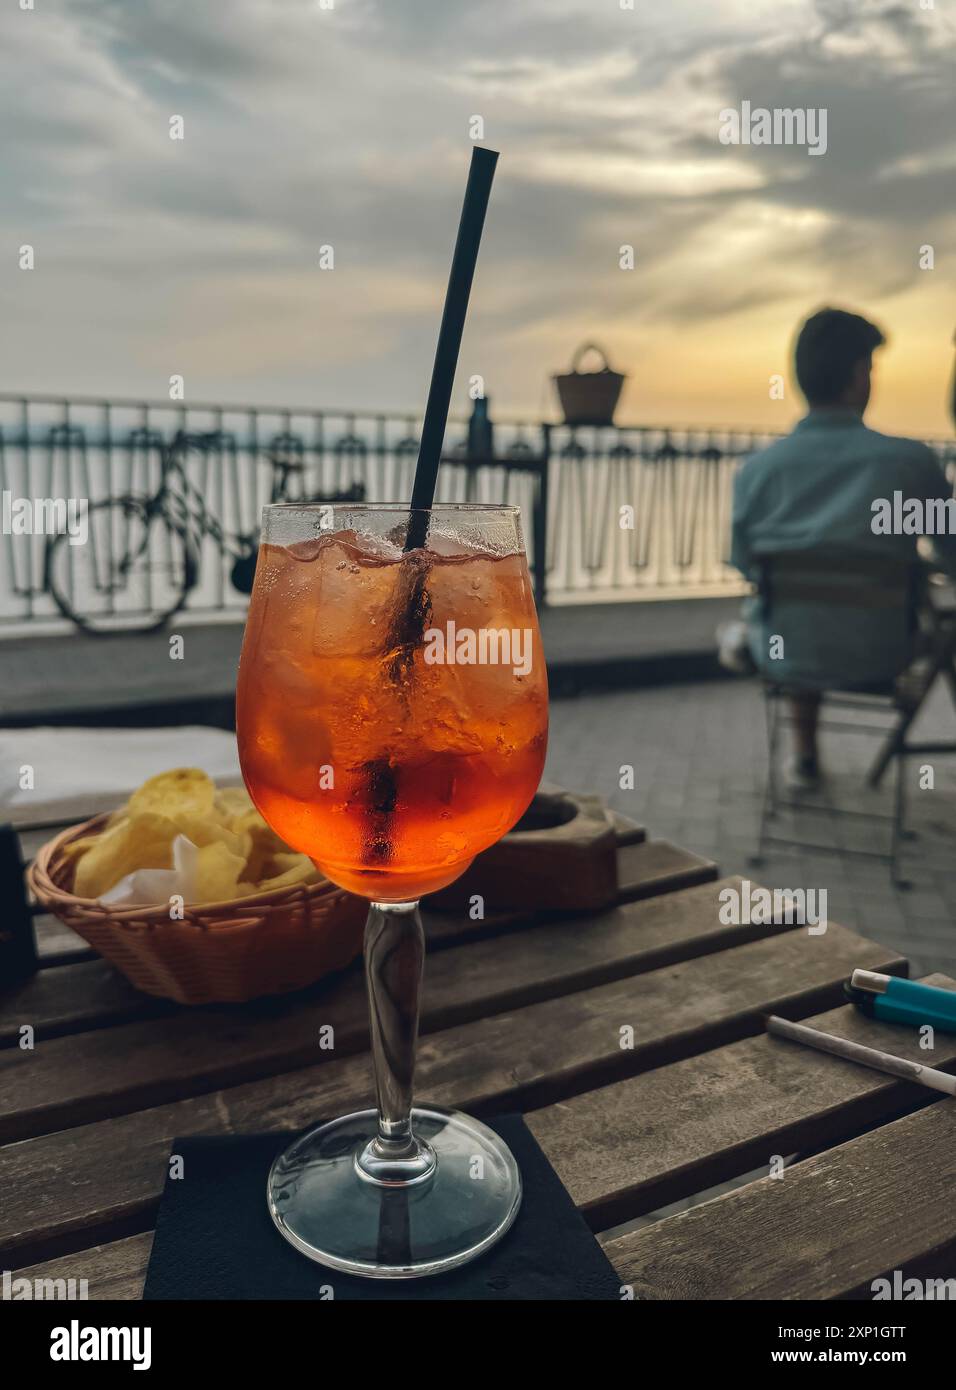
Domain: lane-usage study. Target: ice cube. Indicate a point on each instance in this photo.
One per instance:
(449, 545)
(379, 550)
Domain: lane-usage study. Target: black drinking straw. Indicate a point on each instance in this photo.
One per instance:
(413, 607)
(477, 193)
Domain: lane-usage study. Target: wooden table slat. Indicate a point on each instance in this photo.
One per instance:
(826, 1229)
(68, 998)
(57, 943)
(113, 1271)
(805, 1236)
(527, 1058)
(146, 1063)
(92, 994)
(639, 1144)
(801, 1097)
(633, 1038)
(656, 866)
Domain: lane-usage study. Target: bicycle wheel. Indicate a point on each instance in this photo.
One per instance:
(131, 574)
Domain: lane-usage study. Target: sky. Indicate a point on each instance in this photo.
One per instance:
(307, 126)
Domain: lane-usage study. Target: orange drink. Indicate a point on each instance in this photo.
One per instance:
(391, 753)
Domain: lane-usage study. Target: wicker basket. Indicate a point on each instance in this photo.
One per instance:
(589, 398)
(220, 953)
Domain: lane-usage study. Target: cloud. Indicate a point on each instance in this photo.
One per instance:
(350, 126)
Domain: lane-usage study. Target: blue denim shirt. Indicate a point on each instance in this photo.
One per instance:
(814, 490)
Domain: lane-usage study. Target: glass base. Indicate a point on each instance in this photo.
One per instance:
(333, 1212)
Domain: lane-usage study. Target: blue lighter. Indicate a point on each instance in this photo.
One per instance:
(902, 1001)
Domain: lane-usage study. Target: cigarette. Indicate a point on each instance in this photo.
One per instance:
(866, 1056)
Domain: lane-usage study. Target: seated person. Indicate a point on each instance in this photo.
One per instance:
(816, 490)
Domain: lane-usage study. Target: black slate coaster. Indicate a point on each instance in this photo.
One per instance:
(215, 1238)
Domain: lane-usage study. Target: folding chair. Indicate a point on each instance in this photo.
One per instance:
(940, 662)
(899, 589)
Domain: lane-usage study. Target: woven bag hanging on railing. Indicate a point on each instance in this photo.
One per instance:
(589, 398)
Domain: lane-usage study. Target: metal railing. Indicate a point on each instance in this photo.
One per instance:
(632, 512)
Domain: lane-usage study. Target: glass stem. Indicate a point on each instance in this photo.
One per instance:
(394, 961)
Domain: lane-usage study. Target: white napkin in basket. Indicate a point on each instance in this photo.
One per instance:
(150, 887)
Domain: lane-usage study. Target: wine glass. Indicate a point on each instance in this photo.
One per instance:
(392, 723)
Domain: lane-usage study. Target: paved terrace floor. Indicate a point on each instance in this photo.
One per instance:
(699, 757)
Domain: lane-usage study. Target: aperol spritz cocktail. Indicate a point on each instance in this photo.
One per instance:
(392, 723)
(391, 759)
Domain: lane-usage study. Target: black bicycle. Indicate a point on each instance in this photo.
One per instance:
(141, 558)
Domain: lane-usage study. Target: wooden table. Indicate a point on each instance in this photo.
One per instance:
(517, 1014)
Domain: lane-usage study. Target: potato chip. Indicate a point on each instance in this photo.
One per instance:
(232, 803)
(288, 859)
(265, 843)
(185, 790)
(253, 821)
(80, 846)
(206, 830)
(303, 871)
(143, 841)
(218, 873)
(237, 851)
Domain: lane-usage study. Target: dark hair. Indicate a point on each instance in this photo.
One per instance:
(829, 346)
